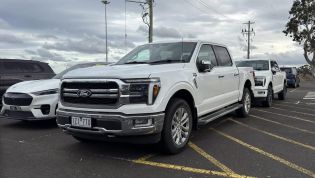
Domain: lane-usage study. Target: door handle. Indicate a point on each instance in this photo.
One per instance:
(221, 76)
(236, 75)
(27, 76)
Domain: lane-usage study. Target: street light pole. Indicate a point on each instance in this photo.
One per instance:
(106, 2)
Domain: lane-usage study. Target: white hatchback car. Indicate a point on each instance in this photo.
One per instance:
(37, 99)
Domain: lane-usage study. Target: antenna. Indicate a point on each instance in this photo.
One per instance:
(125, 25)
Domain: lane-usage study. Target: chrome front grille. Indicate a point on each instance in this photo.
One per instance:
(90, 93)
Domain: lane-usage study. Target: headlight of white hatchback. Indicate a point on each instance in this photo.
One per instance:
(46, 92)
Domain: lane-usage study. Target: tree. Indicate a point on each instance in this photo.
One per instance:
(301, 27)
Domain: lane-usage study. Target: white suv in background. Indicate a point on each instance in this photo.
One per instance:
(269, 80)
(36, 99)
(157, 92)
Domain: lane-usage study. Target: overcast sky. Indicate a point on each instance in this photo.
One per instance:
(64, 32)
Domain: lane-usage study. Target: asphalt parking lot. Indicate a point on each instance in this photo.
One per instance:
(273, 142)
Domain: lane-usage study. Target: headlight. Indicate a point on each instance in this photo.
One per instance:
(46, 92)
(260, 81)
(141, 90)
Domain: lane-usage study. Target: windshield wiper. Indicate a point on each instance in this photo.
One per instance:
(135, 62)
(165, 61)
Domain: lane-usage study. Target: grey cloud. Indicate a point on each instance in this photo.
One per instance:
(30, 51)
(165, 32)
(162, 32)
(47, 36)
(70, 20)
(4, 24)
(11, 39)
(291, 58)
(45, 55)
(89, 45)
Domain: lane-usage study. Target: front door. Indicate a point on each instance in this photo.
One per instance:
(209, 87)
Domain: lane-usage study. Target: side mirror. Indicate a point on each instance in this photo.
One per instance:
(204, 66)
(273, 70)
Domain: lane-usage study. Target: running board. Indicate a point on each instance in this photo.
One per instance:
(210, 117)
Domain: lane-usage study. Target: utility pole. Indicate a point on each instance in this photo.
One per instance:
(249, 33)
(147, 15)
(150, 2)
(106, 2)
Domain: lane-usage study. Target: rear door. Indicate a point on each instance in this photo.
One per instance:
(278, 77)
(229, 76)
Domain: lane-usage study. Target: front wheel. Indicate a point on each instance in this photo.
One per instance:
(177, 126)
(283, 93)
(246, 104)
(268, 100)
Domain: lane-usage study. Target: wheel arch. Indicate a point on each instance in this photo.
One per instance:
(188, 97)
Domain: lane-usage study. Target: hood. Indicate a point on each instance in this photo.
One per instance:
(34, 86)
(123, 71)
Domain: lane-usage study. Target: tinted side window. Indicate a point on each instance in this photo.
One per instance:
(1, 68)
(223, 56)
(31, 67)
(12, 67)
(206, 53)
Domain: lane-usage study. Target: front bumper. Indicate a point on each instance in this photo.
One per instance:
(33, 111)
(291, 81)
(110, 124)
(260, 93)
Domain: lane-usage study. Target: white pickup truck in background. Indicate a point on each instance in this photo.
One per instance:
(269, 79)
(158, 92)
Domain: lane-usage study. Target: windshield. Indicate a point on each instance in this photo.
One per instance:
(256, 65)
(287, 70)
(160, 53)
(78, 66)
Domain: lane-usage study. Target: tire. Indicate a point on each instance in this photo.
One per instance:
(177, 126)
(268, 100)
(246, 104)
(295, 84)
(283, 93)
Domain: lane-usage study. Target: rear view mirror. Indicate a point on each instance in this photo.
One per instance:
(274, 70)
(204, 66)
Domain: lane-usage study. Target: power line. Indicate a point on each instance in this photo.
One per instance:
(205, 12)
(213, 9)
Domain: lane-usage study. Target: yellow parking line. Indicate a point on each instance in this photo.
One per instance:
(262, 152)
(188, 169)
(210, 158)
(297, 118)
(294, 111)
(284, 125)
(145, 157)
(274, 135)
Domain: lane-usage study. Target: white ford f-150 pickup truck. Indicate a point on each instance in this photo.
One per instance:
(158, 92)
(269, 80)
